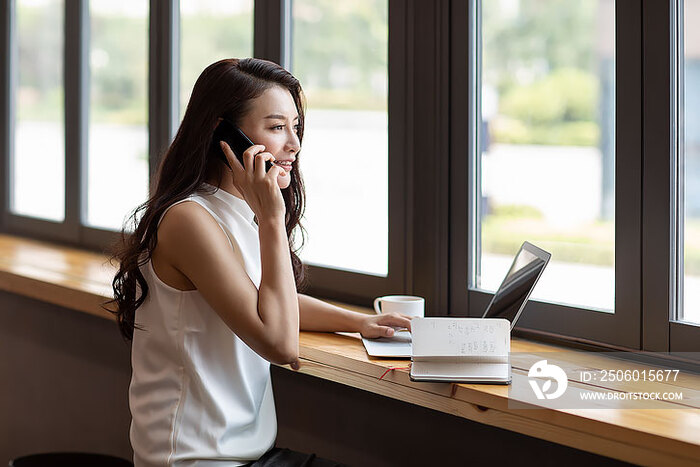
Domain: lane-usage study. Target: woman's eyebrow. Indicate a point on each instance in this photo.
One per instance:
(279, 117)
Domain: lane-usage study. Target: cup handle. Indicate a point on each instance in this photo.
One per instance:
(377, 308)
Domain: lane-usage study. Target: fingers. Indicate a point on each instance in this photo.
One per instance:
(385, 325)
(254, 159)
(233, 162)
(388, 331)
(249, 156)
(276, 171)
(260, 168)
(396, 320)
(295, 365)
(260, 160)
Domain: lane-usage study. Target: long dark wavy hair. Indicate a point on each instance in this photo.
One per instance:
(224, 89)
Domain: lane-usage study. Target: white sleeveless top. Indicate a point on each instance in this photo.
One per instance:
(199, 396)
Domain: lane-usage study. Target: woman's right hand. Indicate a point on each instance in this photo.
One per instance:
(259, 189)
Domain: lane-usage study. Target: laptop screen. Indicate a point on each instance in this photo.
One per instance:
(511, 296)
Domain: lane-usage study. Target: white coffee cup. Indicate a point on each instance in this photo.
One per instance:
(404, 304)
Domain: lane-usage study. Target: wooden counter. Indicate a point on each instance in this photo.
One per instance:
(81, 280)
(647, 437)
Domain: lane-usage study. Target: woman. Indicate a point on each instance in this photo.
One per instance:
(207, 284)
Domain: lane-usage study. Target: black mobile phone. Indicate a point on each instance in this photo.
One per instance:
(236, 139)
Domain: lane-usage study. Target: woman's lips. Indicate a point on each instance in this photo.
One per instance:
(287, 168)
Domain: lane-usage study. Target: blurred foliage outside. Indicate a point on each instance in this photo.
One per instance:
(591, 244)
(541, 61)
(119, 66)
(40, 74)
(558, 109)
(340, 57)
(206, 37)
(119, 69)
(504, 230)
(340, 54)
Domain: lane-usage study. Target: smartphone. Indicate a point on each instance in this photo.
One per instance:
(236, 139)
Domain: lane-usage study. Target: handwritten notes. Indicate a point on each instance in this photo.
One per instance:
(460, 337)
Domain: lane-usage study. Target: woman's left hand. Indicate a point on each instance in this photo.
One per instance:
(383, 325)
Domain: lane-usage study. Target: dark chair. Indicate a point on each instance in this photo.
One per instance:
(69, 459)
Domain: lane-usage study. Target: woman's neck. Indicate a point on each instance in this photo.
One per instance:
(226, 183)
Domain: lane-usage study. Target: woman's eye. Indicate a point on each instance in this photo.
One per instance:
(281, 127)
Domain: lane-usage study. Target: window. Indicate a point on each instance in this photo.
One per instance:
(118, 133)
(439, 136)
(688, 180)
(38, 156)
(211, 30)
(546, 152)
(339, 53)
(552, 156)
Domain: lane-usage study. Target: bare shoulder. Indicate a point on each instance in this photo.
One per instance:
(188, 230)
(185, 213)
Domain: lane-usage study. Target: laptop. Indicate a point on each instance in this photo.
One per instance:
(508, 302)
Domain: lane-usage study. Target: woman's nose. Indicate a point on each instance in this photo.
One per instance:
(293, 142)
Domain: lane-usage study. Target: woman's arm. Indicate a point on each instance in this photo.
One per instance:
(266, 319)
(316, 315)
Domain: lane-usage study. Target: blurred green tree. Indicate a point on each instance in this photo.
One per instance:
(540, 57)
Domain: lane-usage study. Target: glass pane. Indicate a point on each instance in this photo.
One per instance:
(339, 52)
(211, 30)
(546, 145)
(690, 311)
(118, 134)
(38, 163)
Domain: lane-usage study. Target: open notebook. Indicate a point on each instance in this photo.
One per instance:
(508, 303)
(471, 350)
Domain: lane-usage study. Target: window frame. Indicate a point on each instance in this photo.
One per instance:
(163, 80)
(272, 25)
(656, 252)
(430, 188)
(24, 225)
(76, 82)
(348, 286)
(643, 195)
(663, 44)
(6, 128)
(541, 319)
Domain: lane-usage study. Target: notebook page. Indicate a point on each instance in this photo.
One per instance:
(461, 337)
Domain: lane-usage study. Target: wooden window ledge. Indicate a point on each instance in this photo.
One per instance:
(81, 281)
